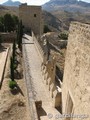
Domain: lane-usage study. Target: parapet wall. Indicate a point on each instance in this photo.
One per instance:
(8, 37)
(48, 68)
(3, 64)
(38, 47)
(76, 80)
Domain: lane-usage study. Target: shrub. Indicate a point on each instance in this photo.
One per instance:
(12, 84)
(20, 34)
(12, 69)
(63, 36)
(46, 29)
(0, 39)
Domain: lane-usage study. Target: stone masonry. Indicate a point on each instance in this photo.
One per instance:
(31, 17)
(71, 97)
(76, 82)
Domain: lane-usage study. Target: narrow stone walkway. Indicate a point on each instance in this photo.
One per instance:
(39, 89)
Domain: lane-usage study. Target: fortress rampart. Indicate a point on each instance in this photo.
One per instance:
(76, 81)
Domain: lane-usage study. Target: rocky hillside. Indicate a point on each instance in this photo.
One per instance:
(11, 3)
(9, 9)
(69, 10)
(66, 17)
(67, 5)
(53, 22)
(60, 20)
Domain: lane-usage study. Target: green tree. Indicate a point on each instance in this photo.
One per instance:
(13, 51)
(1, 24)
(12, 69)
(20, 34)
(16, 21)
(63, 36)
(46, 29)
(1, 27)
(0, 40)
(8, 23)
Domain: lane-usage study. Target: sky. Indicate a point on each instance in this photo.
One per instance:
(34, 2)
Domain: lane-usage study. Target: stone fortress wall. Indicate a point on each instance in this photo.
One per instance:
(31, 17)
(76, 81)
(73, 95)
(48, 68)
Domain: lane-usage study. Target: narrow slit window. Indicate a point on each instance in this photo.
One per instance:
(35, 15)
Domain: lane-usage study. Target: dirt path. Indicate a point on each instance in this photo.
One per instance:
(13, 106)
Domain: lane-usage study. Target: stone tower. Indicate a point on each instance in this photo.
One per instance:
(31, 17)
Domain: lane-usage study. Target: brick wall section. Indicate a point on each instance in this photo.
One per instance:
(76, 80)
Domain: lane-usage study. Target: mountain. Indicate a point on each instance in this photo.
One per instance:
(53, 22)
(57, 20)
(12, 3)
(68, 10)
(13, 10)
(67, 5)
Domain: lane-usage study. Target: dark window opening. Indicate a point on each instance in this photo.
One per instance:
(34, 15)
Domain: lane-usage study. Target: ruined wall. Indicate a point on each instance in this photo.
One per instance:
(32, 18)
(76, 82)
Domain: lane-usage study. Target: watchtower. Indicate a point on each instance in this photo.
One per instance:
(31, 17)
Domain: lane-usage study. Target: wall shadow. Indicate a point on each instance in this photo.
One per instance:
(40, 110)
(17, 90)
